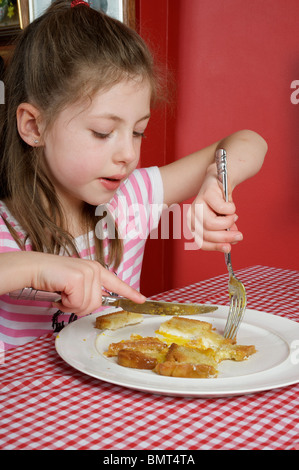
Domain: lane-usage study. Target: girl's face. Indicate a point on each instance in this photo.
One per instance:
(90, 149)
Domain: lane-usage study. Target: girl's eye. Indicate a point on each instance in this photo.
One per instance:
(141, 135)
(101, 135)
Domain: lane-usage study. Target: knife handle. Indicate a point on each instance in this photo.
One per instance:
(110, 300)
(28, 293)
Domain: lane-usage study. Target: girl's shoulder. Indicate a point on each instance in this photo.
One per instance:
(7, 221)
(5, 215)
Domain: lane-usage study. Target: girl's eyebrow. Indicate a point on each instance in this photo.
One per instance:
(114, 117)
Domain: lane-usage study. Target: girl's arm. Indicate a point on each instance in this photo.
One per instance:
(196, 176)
(79, 281)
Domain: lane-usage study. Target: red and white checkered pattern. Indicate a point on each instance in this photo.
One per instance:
(46, 404)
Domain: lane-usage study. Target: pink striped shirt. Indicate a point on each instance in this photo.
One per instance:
(136, 207)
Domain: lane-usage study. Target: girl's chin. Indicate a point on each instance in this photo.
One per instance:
(100, 200)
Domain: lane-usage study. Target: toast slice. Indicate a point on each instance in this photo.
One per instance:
(116, 320)
(136, 359)
(185, 370)
(182, 330)
(185, 354)
(138, 352)
(147, 345)
(186, 362)
(200, 335)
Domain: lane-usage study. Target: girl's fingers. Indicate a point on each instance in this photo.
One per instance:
(83, 294)
(214, 222)
(213, 232)
(221, 207)
(214, 198)
(221, 241)
(209, 221)
(80, 282)
(231, 236)
(221, 247)
(113, 284)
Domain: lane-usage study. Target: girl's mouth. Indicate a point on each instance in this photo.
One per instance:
(111, 184)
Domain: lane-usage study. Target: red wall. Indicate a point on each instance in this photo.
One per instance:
(234, 63)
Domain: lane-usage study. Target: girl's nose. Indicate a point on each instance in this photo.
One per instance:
(127, 151)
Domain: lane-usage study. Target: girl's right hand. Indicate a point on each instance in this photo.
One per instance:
(80, 282)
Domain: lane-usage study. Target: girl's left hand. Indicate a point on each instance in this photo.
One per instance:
(211, 219)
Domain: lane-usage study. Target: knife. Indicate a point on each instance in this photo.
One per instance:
(149, 307)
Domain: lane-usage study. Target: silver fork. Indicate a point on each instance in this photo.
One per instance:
(236, 289)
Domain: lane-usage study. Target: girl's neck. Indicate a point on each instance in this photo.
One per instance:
(73, 211)
(74, 222)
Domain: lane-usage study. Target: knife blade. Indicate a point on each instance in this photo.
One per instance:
(149, 307)
(155, 307)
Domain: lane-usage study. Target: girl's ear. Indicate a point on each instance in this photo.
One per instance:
(29, 124)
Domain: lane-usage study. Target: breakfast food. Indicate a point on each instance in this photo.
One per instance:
(116, 320)
(182, 330)
(200, 335)
(149, 345)
(189, 348)
(136, 359)
(183, 361)
(190, 371)
(138, 352)
(187, 355)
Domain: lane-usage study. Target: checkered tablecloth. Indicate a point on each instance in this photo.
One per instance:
(46, 404)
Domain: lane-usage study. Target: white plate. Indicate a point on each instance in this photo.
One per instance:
(275, 365)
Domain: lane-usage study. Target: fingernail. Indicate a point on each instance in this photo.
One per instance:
(236, 218)
(239, 237)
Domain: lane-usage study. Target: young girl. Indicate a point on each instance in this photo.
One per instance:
(79, 91)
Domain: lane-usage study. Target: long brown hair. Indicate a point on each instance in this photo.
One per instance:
(62, 56)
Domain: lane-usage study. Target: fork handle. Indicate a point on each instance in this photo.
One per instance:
(221, 164)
